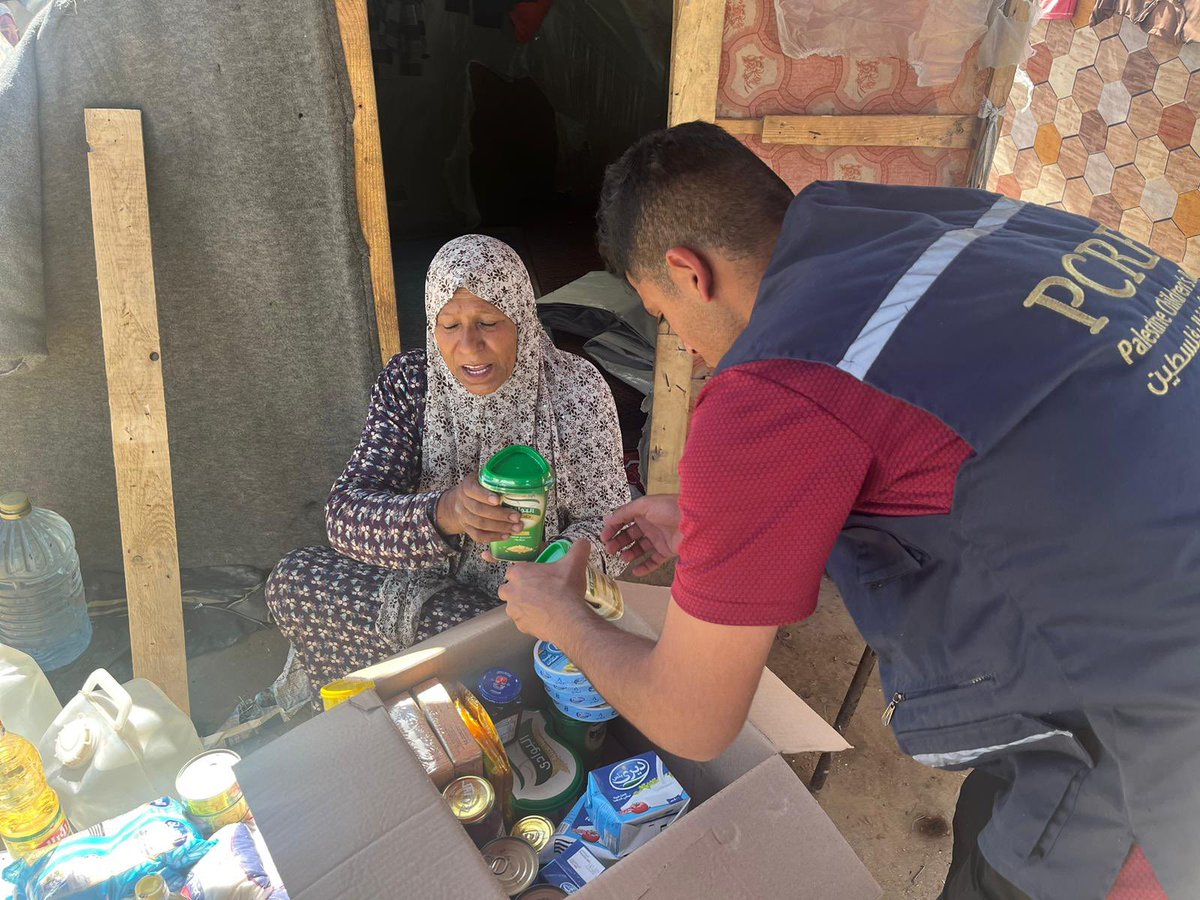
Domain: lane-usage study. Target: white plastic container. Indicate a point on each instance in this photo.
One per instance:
(27, 702)
(42, 607)
(115, 746)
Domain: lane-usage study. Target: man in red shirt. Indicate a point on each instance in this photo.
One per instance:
(792, 458)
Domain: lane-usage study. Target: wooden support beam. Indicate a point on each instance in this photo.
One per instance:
(859, 131)
(697, 32)
(1000, 86)
(137, 406)
(368, 171)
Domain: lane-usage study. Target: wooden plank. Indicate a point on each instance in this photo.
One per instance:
(696, 60)
(859, 131)
(368, 171)
(697, 31)
(1000, 85)
(137, 406)
(672, 395)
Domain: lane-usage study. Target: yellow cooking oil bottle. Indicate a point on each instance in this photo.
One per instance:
(31, 816)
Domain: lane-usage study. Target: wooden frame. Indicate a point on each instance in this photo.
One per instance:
(137, 405)
(368, 171)
(859, 131)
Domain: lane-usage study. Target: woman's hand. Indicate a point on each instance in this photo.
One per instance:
(646, 529)
(471, 509)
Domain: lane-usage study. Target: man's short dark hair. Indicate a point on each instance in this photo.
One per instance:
(693, 186)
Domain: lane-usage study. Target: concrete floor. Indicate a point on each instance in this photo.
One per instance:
(893, 812)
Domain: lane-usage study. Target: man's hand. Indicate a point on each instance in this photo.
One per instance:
(648, 527)
(547, 599)
(471, 509)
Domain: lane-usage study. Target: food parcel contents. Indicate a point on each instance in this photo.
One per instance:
(443, 717)
(496, 766)
(232, 870)
(572, 868)
(513, 862)
(547, 774)
(543, 892)
(567, 687)
(114, 746)
(585, 738)
(343, 689)
(42, 608)
(538, 833)
(418, 733)
(472, 800)
(210, 791)
(578, 825)
(27, 702)
(633, 800)
(601, 592)
(106, 862)
(499, 690)
(31, 816)
(522, 478)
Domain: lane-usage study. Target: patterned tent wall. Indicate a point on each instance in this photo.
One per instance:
(1107, 128)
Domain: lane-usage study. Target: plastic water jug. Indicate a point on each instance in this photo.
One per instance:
(115, 746)
(42, 608)
(27, 702)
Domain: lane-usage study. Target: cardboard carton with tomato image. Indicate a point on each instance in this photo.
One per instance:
(632, 801)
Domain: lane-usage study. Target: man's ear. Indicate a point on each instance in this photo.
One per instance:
(691, 273)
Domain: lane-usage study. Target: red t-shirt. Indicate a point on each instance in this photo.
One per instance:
(781, 452)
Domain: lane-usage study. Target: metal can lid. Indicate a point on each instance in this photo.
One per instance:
(207, 776)
(499, 686)
(470, 798)
(543, 892)
(513, 862)
(535, 831)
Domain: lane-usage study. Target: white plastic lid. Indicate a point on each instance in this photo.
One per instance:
(76, 743)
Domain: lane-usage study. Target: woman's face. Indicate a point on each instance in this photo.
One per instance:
(477, 341)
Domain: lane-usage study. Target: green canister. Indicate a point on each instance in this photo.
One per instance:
(585, 738)
(522, 478)
(548, 776)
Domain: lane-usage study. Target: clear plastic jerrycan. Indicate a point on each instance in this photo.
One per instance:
(116, 746)
(27, 702)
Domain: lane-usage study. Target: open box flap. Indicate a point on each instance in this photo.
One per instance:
(331, 838)
(763, 836)
(783, 718)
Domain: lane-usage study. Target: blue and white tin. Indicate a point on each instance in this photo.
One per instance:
(553, 667)
(587, 713)
(577, 696)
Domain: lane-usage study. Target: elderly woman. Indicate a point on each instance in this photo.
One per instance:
(408, 521)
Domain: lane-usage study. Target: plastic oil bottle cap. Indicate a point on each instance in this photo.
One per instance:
(15, 505)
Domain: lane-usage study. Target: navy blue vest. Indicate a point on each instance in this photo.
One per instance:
(1048, 627)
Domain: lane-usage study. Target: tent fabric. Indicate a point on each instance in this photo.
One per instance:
(264, 300)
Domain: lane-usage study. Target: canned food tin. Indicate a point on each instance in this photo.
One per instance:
(553, 667)
(208, 788)
(473, 802)
(543, 892)
(603, 713)
(537, 831)
(601, 592)
(577, 696)
(513, 862)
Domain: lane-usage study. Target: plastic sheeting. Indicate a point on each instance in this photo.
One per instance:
(932, 37)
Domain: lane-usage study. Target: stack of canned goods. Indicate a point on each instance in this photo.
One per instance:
(567, 687)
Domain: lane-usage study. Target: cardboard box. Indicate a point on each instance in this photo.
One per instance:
(349, 812)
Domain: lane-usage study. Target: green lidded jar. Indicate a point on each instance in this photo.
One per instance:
(585, 738)
(522, 478)
(548, 776)
(602, 593)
